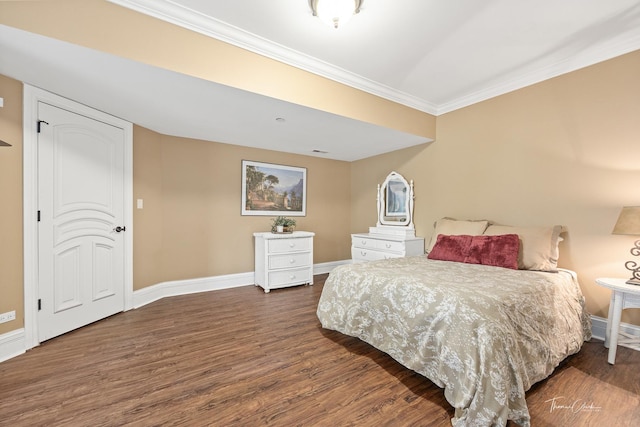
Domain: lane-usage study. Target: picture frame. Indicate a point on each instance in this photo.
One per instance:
(270, 189)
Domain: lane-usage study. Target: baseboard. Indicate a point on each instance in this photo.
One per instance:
(205, 284)
(599, 328)
(12, 344)
(182, 287)
(326, 267)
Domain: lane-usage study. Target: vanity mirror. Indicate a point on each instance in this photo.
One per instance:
(395, 206)
(394, 235)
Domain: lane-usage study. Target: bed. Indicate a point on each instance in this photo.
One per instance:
(484, 333)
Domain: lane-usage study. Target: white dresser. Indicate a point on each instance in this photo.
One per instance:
(369, 246)
(283, 260)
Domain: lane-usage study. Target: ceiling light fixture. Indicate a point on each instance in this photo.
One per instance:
(335, 12)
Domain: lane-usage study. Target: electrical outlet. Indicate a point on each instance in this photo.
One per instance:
(8, 316)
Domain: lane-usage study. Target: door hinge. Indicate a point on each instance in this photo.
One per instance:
(40, 122)
(38, 216)
(39, 304)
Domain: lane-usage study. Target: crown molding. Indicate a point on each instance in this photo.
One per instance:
(620, 46)
(175, 14)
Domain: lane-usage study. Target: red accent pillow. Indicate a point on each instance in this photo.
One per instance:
(500, 251)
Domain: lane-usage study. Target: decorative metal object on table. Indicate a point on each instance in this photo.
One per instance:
(629, 224)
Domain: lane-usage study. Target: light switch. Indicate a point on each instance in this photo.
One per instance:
(140, 204)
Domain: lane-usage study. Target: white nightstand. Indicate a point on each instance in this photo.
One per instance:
(283, 260)
(623, 295)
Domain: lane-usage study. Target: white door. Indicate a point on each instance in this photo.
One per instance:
(81, 214)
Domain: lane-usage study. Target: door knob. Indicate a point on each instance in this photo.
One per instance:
(119, 229)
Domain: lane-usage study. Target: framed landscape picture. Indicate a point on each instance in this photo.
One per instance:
(270, 189)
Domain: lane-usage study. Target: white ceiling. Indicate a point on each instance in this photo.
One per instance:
(432, 55)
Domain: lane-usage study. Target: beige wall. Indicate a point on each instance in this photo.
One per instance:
(191, 224)
(11, 203)
(564, 151)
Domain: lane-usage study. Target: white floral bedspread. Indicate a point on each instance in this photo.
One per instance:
(485, 334)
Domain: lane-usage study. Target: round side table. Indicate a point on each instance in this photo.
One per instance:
(623, 295)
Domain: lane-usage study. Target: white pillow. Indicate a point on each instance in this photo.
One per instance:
(454, 227)
(538, 245)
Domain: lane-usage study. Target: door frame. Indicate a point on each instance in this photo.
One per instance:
(31, 97)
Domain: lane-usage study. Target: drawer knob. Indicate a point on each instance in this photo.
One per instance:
(293, 276)
(388, 245)
(363, 253)
(291, 245)
(364, 242)
(292, 261)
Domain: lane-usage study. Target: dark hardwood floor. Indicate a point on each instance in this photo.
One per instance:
(240, 357)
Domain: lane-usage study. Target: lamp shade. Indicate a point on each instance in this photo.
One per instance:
(628, 221)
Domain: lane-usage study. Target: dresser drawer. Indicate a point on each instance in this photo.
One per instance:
(390, 245)
(363, 242)
(289, 245)
(378, 244)
(282, 278)
(360, 254)
(291, 260)
(370, 247)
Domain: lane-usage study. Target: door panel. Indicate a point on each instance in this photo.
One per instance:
(80, 199)
(67, 270)
(103, 266)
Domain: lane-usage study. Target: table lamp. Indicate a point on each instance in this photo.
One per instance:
(629, 223)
